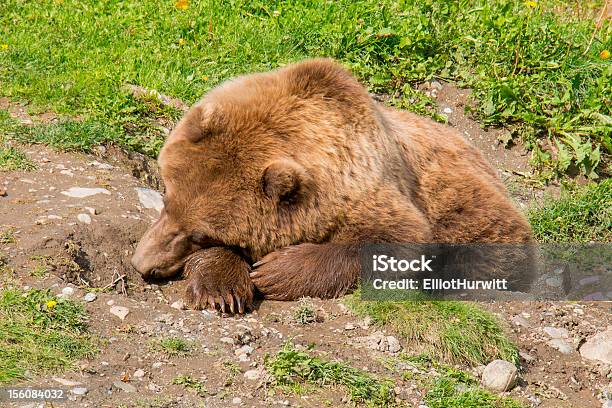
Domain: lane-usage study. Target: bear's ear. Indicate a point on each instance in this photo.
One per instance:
(286, 181)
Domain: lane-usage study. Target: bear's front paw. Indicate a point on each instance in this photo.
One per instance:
(284, 274)
(218, 278)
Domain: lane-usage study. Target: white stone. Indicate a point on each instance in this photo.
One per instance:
(90, 297)
(236, 400)
(66, 383)
(80, 390)
(561, 345)
(252, 375)
(139, 373)
(120, 311)
(124, 386)
(227, 340)
(499, 376)
(157, 364)
(67, 291)
(246, 349)
(81, 192)
(84, 218)
(179, 304)
(150, 198)
(447, 110)
(598, 347)
(556, 332)
(393, 344)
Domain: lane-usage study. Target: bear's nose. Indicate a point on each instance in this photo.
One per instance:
(137, 264)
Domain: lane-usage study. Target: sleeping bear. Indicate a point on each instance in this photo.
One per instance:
(275, 180)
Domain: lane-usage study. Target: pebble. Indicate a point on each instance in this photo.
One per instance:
(227, 340)
(157, 364)
(598, 347)
(252, 375)
(91, 210)
(81, 192)
(89, 297)
(179, 305)
(246, 349)
(561, 345)
(120, 311)
(67, 291)
(139, 373)
(236, 400)
(556, 332)
(393, 344)
(520, 321)
(84, 218)
(80, 390)
(499, 376)
(124, 386)
(110, 302)
(447, 110)
(65, 382)
(150, 198)
(349, 326)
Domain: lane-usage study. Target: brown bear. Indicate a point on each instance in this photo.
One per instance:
(275, 180)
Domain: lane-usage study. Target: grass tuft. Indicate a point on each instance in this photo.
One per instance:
(454, 332)
(191, 383)
(12, 159)
(290, 367)
(580, 214)
(172, 346)
(40, 334)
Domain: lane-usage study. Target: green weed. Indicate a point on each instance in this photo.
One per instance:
(40, 334)
(172, 346)
(457, 332)
(12, 159)
(580, 214)
(290, 367)
(191, 383)
(532, 65)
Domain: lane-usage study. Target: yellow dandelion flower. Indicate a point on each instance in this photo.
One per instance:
(531, 4)
(205, 77)
(182, 4)
(4, 46)
(181, 42)
(51, 304)
(605, 54)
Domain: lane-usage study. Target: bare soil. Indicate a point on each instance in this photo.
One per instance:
(96, 255)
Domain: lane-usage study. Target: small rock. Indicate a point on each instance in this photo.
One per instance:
(67, 291)
(243, 358)
(179, 304)
(84, 218)
(520, 321)
(67, 173)
(227, 340)
(393, 344)
(598, 347)
(349, 326)
(89, 297)
(556, 332)
(499, 376)
(436, 85)
(124, 386)
(561, 345)
(66, 383)
(120, 311)
(2, 191)
(252, 375)
(236, 400)
(150, 198)
(607, 404)
(246, 349)
(139, 373)
(153, 387)
(80, 390)
(91, 210)
(527, 357)
(81, 192)
(157, 364)
(447, 110)
(110, 302)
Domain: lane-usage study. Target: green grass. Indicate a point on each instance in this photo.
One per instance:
(580, 214)
(172, 346)
(454, 332)
(446, 386)
(40, 334)
(305, 312)
(7, 236)
(191, 383)
(290, 367)
(530, 68)
(11, 159)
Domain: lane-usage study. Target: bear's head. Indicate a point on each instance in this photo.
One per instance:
(263, 161)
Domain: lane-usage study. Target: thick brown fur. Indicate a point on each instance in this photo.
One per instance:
(299, 167)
